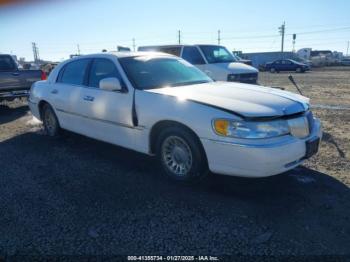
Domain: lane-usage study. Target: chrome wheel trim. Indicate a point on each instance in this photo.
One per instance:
(177, 155)
(50, 122)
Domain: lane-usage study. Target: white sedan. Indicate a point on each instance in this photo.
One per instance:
(161, 105)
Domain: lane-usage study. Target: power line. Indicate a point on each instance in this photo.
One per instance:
(323, 31)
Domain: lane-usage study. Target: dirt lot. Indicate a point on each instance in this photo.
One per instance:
(77, 196)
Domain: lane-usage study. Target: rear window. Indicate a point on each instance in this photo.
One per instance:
(7, 64)
(74, 72)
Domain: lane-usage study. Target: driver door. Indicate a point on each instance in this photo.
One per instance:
(106, 115)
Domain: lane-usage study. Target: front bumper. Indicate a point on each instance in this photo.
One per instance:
(258, 160)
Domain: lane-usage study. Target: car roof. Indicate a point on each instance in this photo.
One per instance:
(159, 46)
(122, 54)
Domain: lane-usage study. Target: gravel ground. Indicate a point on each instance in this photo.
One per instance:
(78, 196)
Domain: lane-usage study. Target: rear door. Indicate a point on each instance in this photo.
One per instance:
(10, 78)
(106, 115)
(64, 94)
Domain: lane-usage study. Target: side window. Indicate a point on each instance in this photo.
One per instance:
(100, 69)
(277, 62)
(171, 50)
(74, 72)
(192, 55)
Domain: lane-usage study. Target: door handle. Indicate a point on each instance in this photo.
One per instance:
(15, 74)
(89, 98)
(54, 91)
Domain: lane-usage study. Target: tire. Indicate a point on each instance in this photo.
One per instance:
(50, 121)
(272, 70)
(181, 155)
(299, 70)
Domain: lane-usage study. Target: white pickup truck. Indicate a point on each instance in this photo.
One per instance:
(160, 104)
(215, 60)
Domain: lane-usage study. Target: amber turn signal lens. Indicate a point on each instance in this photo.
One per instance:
(221, 126)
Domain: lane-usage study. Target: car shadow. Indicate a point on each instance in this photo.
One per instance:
(8, 114)
(75, 187)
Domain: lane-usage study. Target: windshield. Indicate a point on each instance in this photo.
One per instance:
(217, 54)
(147, 72)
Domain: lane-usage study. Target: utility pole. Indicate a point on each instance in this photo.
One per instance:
(294, 37)
(78, 49)
(133, 44)
(219, 37)
(282, 30)
(35, 52)
(179, 37)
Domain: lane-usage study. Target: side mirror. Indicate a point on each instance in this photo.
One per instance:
(110, 84)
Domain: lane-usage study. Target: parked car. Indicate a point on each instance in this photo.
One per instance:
(345, 62)
(15, 82)
(216, 61)
(286, 65)
(304, 61)
(159, 104)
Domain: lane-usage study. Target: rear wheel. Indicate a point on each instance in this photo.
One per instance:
(50, 122)
(181, 155)
(273, 70)
(299, 70)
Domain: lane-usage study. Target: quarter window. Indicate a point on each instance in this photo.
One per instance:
(100, 69)
(192, 55)
(74, 72)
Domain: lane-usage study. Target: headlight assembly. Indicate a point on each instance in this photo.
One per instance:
(233, 78)
(250, 129)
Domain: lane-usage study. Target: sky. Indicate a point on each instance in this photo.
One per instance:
(59, 26)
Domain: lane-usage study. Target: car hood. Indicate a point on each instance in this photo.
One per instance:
(236, 67)
(247, 101)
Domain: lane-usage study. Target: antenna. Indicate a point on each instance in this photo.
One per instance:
(290, 77)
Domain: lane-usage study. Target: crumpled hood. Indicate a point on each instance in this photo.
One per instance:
(237, 67)
(243, 99)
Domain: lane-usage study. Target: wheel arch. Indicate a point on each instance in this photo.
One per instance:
(161, 125)
(40, 107)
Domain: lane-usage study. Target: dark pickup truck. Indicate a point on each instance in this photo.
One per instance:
(14, 82)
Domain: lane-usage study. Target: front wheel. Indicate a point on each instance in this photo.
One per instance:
(181, 155)
(273, 70)
(50, 121)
